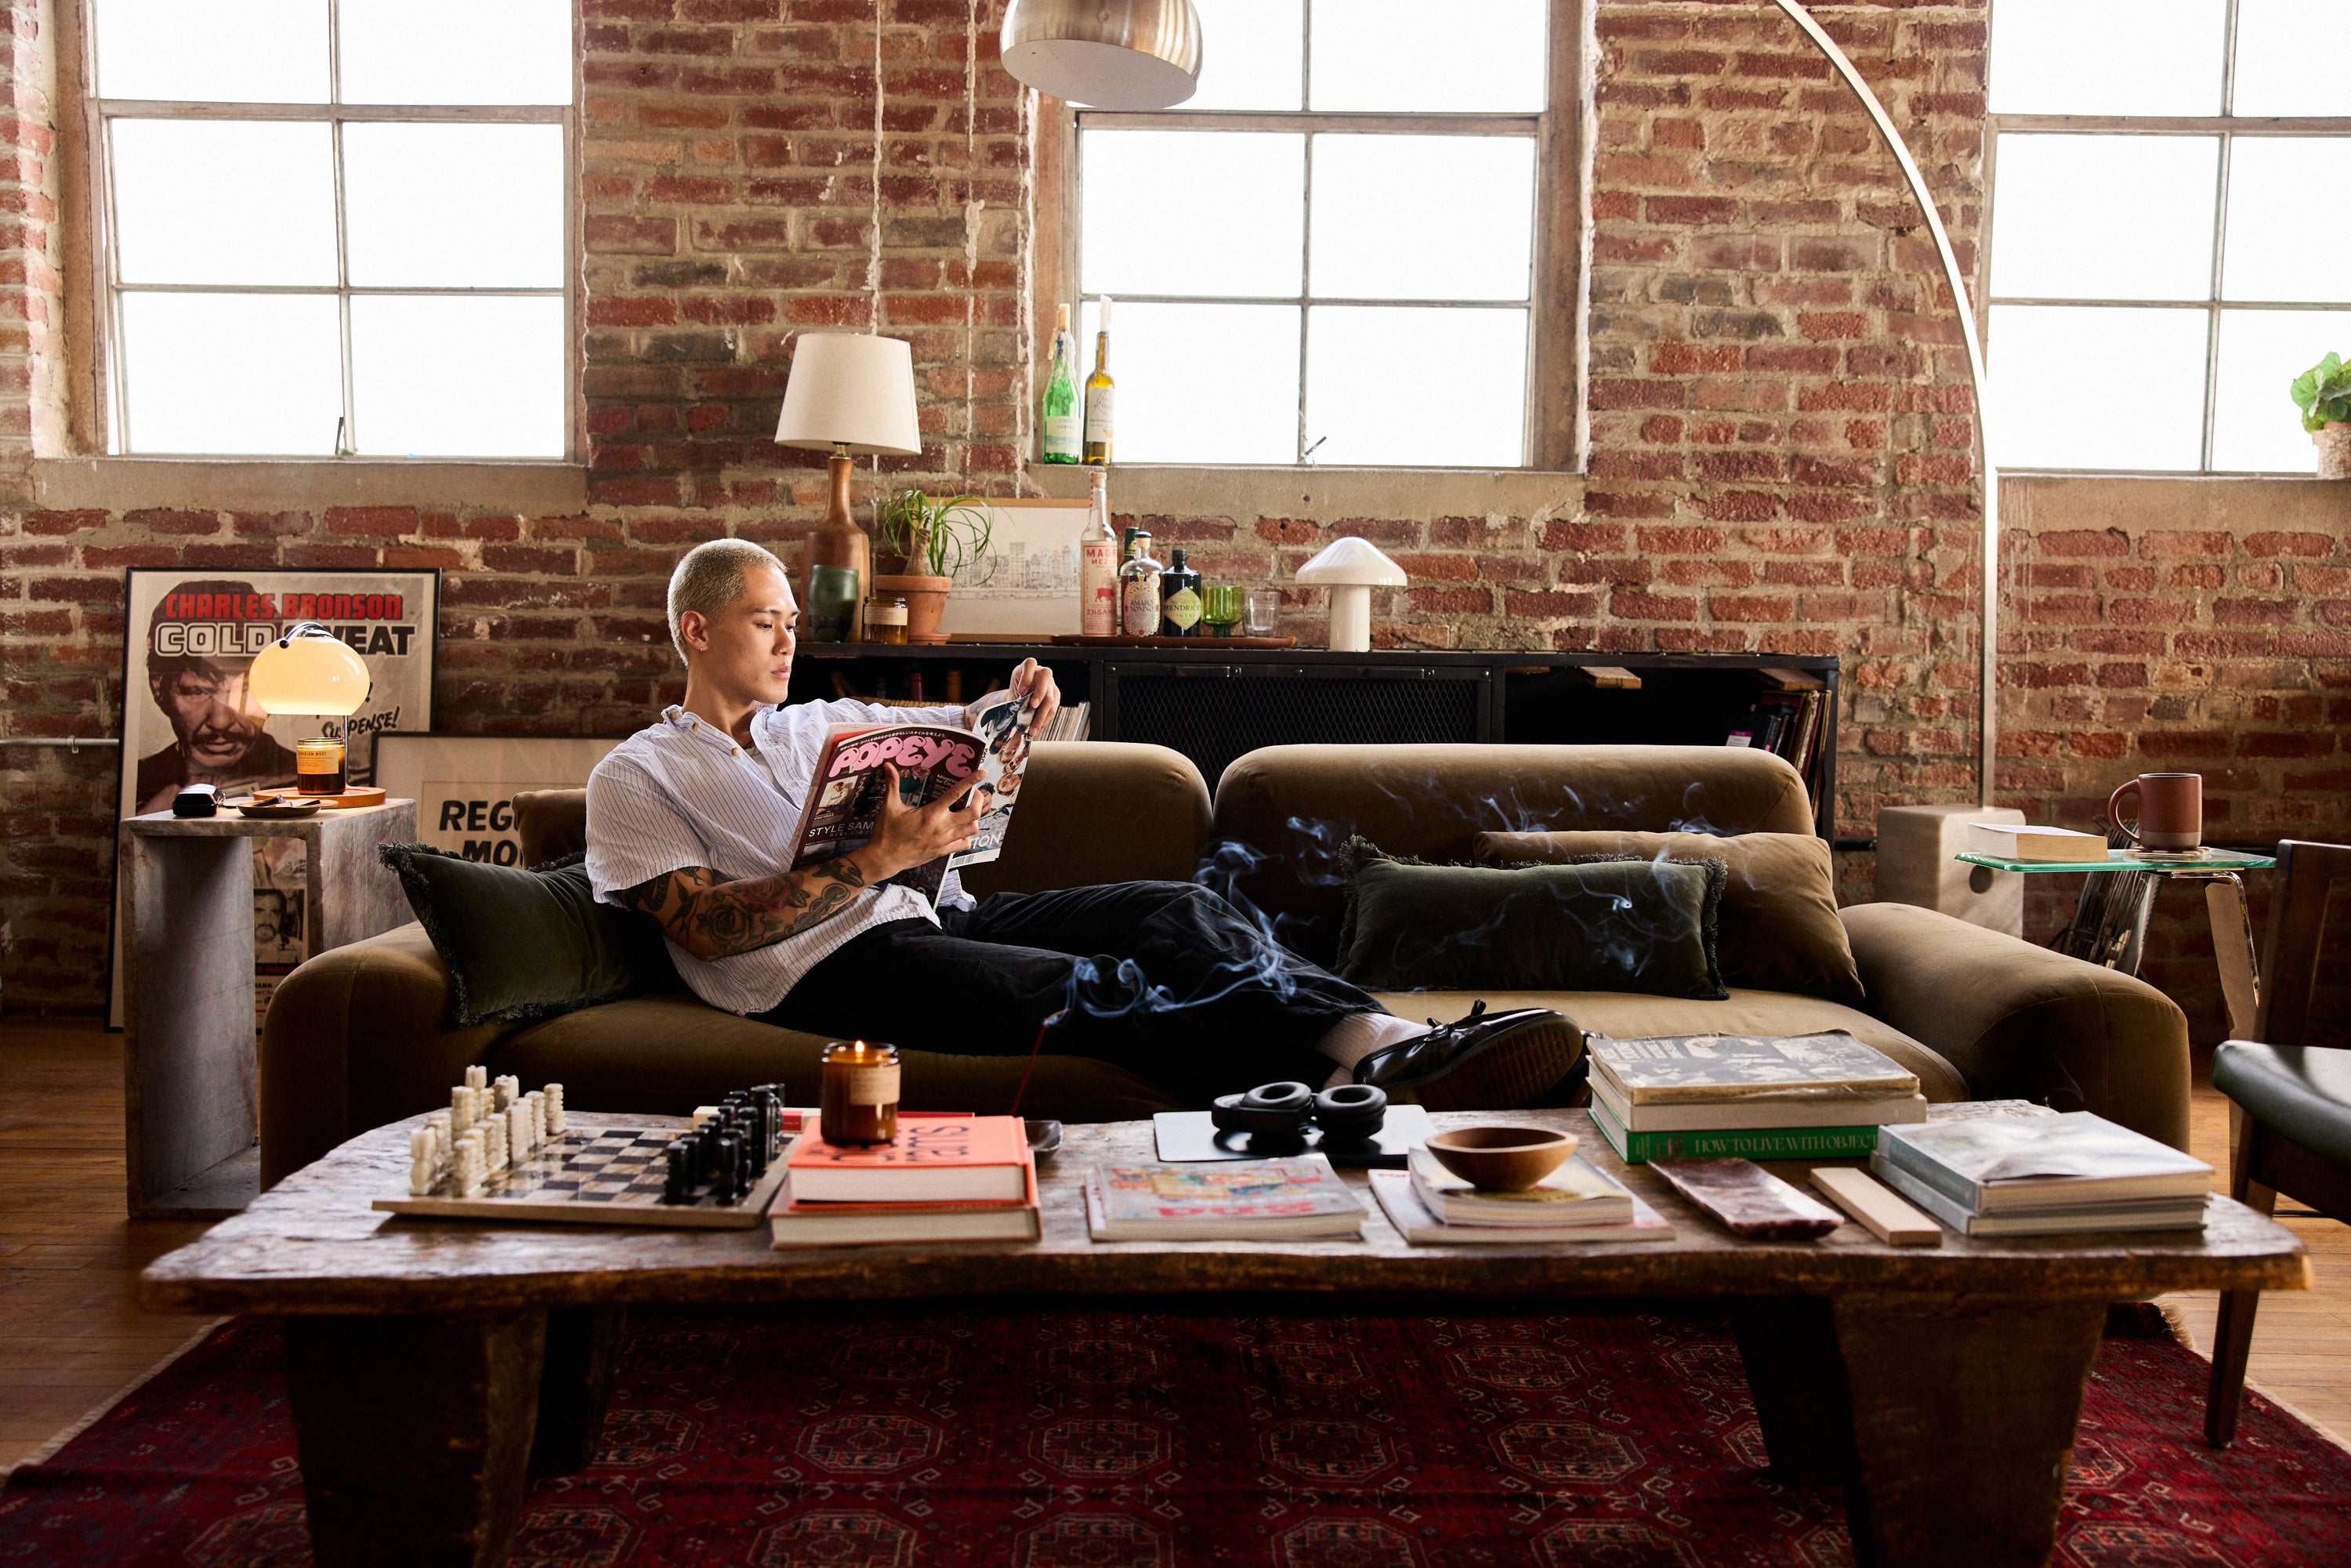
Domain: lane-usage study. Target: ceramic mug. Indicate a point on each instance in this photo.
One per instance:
(2170, 811)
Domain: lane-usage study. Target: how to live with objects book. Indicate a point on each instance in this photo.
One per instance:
(935, 1158)
(934, 762)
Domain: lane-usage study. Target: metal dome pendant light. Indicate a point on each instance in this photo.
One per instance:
(1105, 54)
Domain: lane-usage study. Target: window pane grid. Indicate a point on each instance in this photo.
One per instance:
(2226, 328)
(549, 428)
(1306, 300)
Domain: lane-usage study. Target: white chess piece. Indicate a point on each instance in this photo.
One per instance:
(537, 1101)
(461, 1110)
(518, 1143)
(466, 1179)
(477, 1077)
(494, 1144)
(554, 1121)
(509, 1089)
(422, 1162)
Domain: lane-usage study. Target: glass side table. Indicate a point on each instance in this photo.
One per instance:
(2119, 942)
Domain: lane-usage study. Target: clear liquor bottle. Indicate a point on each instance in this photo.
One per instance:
(1063, 419)
(1101, 392)
(1097, 558)
(1138, 588)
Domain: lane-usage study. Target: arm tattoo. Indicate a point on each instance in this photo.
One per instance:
(712, 918)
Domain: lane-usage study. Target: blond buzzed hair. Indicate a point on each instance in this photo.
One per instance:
(709, 578)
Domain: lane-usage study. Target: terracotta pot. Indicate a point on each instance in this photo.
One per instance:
(926, 601)
(2334, 443)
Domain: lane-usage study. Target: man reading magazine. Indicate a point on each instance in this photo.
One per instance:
(692, 821)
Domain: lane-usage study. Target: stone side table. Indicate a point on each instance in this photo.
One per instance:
(186, 915)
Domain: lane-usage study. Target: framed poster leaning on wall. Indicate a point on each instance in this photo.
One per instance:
(465, 784)
(188, 716)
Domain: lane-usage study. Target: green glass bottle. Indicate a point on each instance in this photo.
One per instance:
(1179, 599)
(1062, 417)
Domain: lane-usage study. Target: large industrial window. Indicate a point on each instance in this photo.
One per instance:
(1332, 253)
(334, 227)
(2169, 228)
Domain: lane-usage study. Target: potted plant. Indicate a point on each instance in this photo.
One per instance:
(928, 537)
(2323, 392)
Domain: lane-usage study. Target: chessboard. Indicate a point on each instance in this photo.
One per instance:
(595, 1176)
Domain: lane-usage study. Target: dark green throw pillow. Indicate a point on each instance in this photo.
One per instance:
(527, 944)
(1599, 923)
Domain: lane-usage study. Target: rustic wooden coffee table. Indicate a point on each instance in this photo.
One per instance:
(433, 1365)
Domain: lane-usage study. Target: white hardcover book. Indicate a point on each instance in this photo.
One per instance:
(1734, 1115)
(2043, 1162)
(1577, 1193)
(2024, 841)
(905, 1223)
(2166, 1214)
(1709, 1068)
(1400, 1200)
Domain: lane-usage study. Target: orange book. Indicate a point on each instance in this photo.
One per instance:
(933, 1159)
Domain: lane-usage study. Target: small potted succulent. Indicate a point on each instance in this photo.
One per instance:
(2323, 392)
(926, 539)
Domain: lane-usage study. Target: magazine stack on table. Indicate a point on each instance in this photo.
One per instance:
(942, 1178)
(1234, 1201)
(2043, 1176)
(1431, 1206)
(1748, 1096)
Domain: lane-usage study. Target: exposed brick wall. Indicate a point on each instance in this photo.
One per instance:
(1779, 421)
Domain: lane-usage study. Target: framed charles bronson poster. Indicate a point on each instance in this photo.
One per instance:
(188, 716)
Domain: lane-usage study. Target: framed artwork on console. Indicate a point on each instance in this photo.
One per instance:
(1025, 586)
(465, 784)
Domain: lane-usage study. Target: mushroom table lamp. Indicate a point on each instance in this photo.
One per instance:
(309, 670)
(849, 393)
(1351, 567)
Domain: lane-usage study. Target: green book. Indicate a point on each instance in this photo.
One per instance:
(1737, 1143)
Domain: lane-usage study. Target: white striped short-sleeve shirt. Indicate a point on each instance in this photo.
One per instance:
(681, 793)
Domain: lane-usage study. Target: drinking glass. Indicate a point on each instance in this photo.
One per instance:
(1221, 609)
(1264, 610)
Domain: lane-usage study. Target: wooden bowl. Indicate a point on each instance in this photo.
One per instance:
(1502, 1160)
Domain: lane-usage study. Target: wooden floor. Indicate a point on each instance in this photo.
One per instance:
(71, 1333)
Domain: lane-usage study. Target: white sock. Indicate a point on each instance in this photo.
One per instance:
(1358, 1035)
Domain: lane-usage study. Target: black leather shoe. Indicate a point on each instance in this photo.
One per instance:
(1486, 1062)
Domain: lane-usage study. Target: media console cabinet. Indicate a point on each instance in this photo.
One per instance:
(1214, 703)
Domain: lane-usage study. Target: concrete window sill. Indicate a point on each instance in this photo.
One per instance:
(1313, 490)
(240, 484)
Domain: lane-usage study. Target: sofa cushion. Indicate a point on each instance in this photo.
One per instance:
(666, 1054)
(1778, 930)
(1628, 923)
(527, 944)
(1284, 812)
(1630, 1016)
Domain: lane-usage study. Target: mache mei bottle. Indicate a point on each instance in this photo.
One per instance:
(1179, 599)
(1138, 588)
(1098, 558)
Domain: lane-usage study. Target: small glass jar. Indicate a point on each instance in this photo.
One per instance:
(1264, 612)
(859, 1096)
(319, 768)
(885, 620)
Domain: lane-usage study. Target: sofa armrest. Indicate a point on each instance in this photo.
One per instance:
(362, 1025)
(2022, 1022)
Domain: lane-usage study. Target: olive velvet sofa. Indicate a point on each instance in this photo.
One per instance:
(361, 1035)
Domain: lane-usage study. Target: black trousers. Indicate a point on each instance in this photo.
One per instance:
(1163, 978)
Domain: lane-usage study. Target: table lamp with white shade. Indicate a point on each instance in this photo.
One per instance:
(849, 394)
(1351, 567)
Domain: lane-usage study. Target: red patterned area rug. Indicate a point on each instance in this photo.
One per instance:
(880, 1438)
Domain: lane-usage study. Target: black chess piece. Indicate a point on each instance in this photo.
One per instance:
(677, 1185)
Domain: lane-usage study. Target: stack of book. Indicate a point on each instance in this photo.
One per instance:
(1224, 1200)
(942, 1178)
(1431, 1206)
(2043, 1176)
(1757, 1097)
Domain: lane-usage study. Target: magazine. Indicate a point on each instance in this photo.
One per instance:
(934, 761)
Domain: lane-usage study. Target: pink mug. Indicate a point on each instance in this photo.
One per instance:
(2170, 811)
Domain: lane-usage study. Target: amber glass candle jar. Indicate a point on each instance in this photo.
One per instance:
(319, 766)
(860, 1095)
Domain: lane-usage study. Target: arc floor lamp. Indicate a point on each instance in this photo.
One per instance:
(1146, 54)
